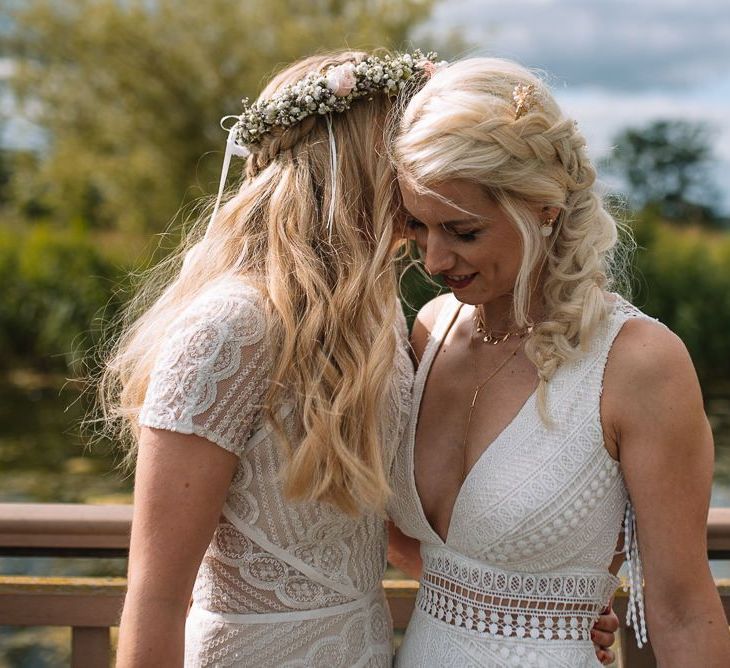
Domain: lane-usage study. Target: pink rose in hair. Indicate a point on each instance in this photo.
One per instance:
(427, 66)
(341, 79)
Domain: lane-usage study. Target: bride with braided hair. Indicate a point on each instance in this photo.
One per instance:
(555, 427)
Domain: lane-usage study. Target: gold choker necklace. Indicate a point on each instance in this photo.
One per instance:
(490, 337)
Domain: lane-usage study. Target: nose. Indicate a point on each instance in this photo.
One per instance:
(437, 256)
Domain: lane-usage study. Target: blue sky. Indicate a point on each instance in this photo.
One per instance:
(613, 63)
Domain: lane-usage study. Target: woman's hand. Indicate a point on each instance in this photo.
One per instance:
(603, 635)
(404, 552)
(181, 483)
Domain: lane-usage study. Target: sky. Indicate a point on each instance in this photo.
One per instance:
(613, 63)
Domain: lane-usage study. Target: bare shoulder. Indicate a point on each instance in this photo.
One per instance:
(649, 377)
(646, 352)
(425, 322)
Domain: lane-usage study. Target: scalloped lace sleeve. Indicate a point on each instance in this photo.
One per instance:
(211, 374)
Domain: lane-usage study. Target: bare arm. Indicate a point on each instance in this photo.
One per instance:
(180, 486)
(653, 404)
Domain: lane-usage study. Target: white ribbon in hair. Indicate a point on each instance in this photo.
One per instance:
(232, 148)
(333, 179)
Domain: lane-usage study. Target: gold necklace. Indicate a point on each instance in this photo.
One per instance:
(480, 327)
(477, 390)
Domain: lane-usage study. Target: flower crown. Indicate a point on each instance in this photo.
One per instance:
(333, 90)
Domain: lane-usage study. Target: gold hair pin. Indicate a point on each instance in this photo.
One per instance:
(524, 97)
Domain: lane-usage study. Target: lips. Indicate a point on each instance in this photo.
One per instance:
(458, 281)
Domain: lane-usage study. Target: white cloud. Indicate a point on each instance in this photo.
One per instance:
(621, 44)
(7, 67)
(601, 114)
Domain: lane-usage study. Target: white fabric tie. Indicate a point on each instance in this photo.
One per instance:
(232, 148)
(333, 178)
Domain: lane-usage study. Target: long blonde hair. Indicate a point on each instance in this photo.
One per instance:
(331, 299)
(463, 125)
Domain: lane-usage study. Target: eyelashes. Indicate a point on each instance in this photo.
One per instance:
(413, 225)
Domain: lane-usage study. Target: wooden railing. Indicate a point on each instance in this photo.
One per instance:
(91, 606)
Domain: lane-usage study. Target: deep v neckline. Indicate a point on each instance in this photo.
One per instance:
(422, 373)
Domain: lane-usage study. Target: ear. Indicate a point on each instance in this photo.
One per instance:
(549, 213)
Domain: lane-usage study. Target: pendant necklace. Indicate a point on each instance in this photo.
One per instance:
(480, 326)
(478, 388)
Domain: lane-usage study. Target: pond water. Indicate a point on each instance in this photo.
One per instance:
(43, 456)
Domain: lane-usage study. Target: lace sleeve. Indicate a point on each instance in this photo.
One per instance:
(211, 374)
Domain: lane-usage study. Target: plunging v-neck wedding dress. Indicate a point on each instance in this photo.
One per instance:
(523, 572)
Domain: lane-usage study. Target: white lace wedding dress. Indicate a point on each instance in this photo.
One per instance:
(281, 584)
(523, 573)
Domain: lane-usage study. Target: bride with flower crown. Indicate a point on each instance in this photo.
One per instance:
(263, 386)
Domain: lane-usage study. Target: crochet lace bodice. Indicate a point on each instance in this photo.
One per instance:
(534, 528)
(281, 584)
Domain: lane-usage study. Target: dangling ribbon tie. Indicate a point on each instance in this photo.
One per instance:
(333, 178)
(232, 148)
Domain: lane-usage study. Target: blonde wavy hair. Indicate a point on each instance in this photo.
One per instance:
(331, 299)
(464, 124)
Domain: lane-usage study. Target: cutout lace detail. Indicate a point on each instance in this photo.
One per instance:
(495, 602)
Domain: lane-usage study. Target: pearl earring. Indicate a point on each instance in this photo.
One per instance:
(547, 228)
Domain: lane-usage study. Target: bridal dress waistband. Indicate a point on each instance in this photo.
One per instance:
(490, 601)
(293, 616)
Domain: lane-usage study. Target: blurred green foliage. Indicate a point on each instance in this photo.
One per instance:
(126, 98)
(57, 286)
(129, 109)
(682, 277)
(129, 94)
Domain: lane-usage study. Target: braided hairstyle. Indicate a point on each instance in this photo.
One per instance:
(464, 124)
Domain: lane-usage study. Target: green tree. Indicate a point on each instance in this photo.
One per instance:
(130, 93)
(666, 165)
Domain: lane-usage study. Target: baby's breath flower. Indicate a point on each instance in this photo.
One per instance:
(333, 90)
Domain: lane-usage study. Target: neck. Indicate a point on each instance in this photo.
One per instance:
(498, 314)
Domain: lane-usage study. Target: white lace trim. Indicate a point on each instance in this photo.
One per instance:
(499, 582)
(210, 374)
(256, 535)
(492, 601)
(635, 616)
